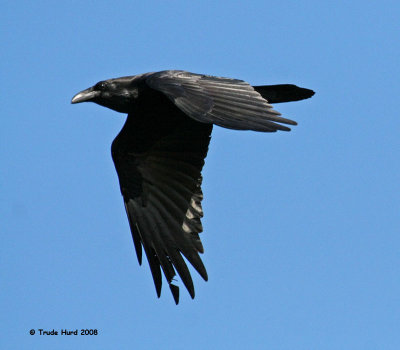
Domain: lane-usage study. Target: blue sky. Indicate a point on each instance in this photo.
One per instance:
(301, 229)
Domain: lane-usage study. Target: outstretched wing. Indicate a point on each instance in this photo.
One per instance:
(158, 156)
(229, 103)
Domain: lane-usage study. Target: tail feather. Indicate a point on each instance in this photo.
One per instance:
(283, 93)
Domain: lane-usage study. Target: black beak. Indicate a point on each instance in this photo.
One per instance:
(85, 96)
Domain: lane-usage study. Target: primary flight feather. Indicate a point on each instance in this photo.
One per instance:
(160, 152)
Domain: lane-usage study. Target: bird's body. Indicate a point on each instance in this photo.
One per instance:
(160, 152)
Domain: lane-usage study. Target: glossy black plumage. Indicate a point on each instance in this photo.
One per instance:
(160, 152)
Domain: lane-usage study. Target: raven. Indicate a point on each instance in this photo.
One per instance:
(160, 152)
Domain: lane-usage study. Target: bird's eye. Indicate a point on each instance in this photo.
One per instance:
(101, 86)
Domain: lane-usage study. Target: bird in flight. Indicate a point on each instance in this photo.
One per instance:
(160, 152)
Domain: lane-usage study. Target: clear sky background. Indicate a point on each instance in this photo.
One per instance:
(301, 229)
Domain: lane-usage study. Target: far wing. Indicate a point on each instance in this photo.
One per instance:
(229, 103)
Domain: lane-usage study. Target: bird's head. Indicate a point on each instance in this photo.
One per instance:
(118, 94)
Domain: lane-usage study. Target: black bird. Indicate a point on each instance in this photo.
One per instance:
(160, 152)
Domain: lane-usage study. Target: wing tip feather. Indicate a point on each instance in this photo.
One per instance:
(175, 292)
